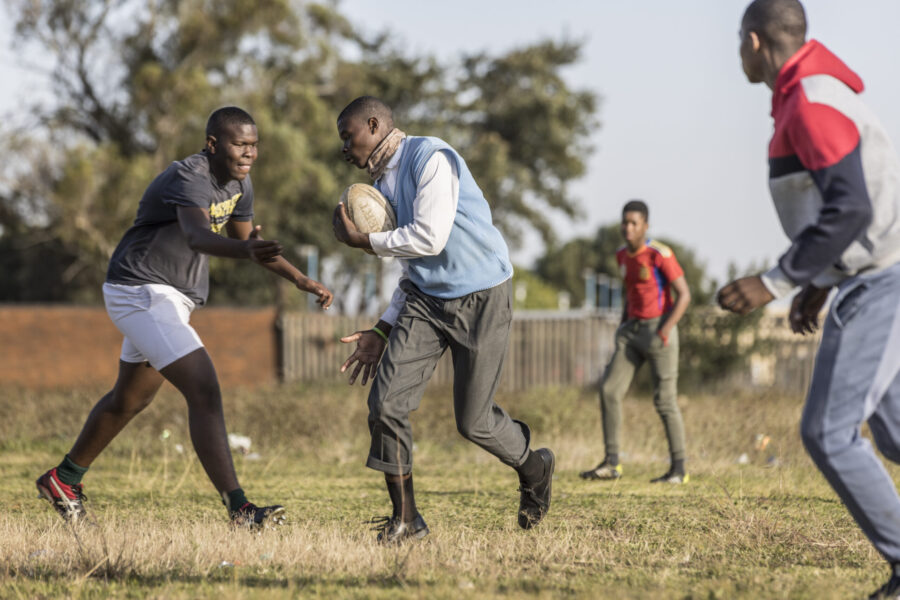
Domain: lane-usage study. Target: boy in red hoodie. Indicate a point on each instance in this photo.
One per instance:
(835, 180)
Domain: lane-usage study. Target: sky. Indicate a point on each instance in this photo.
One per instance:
(679, 125)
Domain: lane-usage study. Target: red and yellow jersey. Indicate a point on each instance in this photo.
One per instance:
(648, 274)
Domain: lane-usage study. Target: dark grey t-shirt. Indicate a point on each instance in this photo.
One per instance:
(154, 250)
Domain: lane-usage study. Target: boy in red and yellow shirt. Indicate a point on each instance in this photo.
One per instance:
(648, 333)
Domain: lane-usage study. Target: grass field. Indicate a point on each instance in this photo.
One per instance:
(770, 528)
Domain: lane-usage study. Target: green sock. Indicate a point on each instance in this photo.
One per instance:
(234, 499)
(70, 473)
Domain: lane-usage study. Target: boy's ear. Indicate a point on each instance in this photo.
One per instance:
(754, 41)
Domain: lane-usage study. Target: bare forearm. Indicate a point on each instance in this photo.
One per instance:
(214, 244)
(281, 267)
(678, 310)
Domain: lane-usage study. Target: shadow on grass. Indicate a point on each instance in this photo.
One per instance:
(227, 575)
(450, 493)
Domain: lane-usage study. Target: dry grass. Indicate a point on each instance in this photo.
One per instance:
(736, 531)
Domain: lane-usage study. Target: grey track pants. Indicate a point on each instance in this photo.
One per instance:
(637, 343)
(476, 330)
(856, 380)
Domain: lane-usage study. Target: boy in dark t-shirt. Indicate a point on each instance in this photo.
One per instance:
(154, 249)
(157, 275)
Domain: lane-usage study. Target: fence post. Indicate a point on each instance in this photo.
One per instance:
(590, 289)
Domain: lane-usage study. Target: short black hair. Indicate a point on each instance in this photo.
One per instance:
(226, 117)
(638, 206)
(776, 21)
(366, 107)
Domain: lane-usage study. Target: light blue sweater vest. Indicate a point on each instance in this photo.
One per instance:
(476, 256)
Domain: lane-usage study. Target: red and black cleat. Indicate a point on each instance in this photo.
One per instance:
(66, 499)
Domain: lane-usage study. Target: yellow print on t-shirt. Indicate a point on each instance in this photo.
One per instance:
(644, 273)
(220, 213)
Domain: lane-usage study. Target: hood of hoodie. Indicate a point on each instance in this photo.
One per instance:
(812, 58)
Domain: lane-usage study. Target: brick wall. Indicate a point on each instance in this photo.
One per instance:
(45, 347)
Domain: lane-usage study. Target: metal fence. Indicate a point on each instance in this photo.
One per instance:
(788, 359)
(545, 348)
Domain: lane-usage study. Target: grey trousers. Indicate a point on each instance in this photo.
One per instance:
(636, 343)
(857, 379)
(476, 329)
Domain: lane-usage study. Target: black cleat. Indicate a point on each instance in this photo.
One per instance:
(534, 501)
(391, 530)
(672, 477)
(250, 516)
(889, 591)
(602, 472)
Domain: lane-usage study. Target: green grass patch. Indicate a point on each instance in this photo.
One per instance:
(768, 528)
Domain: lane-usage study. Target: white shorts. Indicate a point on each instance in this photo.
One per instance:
(154, 319)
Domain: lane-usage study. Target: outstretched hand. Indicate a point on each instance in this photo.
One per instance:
(369, 347)
(744, 295)
(804, 315)
(260, 250)
(314, 287)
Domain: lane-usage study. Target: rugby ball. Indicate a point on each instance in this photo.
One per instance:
(369, 210)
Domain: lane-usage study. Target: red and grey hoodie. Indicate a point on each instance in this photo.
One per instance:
(833, 173)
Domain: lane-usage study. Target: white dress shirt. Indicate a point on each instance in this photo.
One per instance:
(434, 210)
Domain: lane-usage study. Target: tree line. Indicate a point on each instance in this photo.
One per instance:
(134, 81)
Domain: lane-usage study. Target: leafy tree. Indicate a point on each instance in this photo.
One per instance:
(566, 265)
(529, 133)
(530, 292)
(135, 82)
(135, 79)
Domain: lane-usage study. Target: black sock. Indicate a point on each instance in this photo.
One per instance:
(400, 489)
(612, 459)
(234, 499)
(533, 467)
(70, 473)
(678, 466)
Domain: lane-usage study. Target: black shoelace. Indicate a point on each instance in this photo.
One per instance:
(382, 523)
(532, 495)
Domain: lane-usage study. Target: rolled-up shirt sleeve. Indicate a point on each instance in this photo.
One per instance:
(434, 210)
